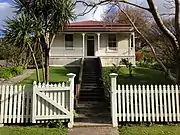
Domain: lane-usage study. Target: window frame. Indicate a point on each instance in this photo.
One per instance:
(71, 42)
(112, 49)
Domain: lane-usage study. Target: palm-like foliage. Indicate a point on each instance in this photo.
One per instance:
(20, 33)
(53, 14)
(19, 30)
(37, 17)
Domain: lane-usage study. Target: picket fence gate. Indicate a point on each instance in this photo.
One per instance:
(38, 104)
(144, 103)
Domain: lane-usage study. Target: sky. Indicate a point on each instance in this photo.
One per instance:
(6, 10)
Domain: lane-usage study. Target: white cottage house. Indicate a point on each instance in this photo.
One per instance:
(91, 39)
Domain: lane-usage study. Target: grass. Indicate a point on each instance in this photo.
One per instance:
(31, 131)
(152, 130)
(142, 76)
(57, 74)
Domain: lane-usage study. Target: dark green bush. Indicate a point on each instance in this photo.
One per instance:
(128, 64)
(149, 65)
(5, 73)
(107, 82)
(17, 70)
(107, 79)
(9, 72)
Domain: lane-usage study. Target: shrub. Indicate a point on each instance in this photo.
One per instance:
(6, 74)
(115, 69)
(139, 55)
(149, 65)
(17, 70)
(107, 79)
(9, 72)
(128, 65)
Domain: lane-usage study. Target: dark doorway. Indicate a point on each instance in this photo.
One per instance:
(90, 46)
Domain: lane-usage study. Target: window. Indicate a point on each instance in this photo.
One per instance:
(112, 45)
(69, 41)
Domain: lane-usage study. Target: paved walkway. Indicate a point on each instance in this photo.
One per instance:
(93, 131)
(19, 78)
(93, 119)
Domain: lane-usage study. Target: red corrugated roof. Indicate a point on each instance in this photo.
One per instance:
(96, 23)
(91, 25)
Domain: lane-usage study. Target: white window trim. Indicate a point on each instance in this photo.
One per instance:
(112, 50)
(68, 48)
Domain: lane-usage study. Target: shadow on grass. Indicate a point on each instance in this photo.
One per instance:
(57, 75)
(143, 76)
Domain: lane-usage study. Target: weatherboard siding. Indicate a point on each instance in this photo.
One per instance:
(59, 55)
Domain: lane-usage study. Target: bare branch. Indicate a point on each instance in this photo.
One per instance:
(133, 4)
(150, 45)
(167, 14)
(89, 6)
(161, 25)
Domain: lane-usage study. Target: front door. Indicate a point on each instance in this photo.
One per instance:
(90, 46)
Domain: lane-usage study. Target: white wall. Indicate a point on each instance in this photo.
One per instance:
(123, 44)
(58, 47)
(59, 54)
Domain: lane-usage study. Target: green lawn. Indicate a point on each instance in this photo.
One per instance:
(31, 131)
(57, 74)
(141, 76)
(152, 130)
(144, 76)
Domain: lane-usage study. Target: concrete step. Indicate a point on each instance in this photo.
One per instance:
(91, 94)
(91, 85)
(91, 98)
(91, 75)
(91, 124)
(91, 79)
(93, 89)
(96, 88)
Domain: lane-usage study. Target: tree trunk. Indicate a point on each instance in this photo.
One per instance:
(47, 65)
(42, 63)
(47, 51)
(152, 48)
(35, 62)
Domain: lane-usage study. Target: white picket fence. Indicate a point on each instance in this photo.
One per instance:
(43, 102)
(144, 103)
(15, 104)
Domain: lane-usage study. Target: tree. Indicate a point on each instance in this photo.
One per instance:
(52, 15)
(138, 16)
(174, 38)
(19, 34)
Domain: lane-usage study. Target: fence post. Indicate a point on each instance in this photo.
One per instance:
(114, 99)
(2, 99)
(71, 77)
(34, 102)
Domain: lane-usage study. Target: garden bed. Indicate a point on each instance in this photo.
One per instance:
(9, 72)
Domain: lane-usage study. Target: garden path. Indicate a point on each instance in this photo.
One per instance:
(18, 78)
(93, 131)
